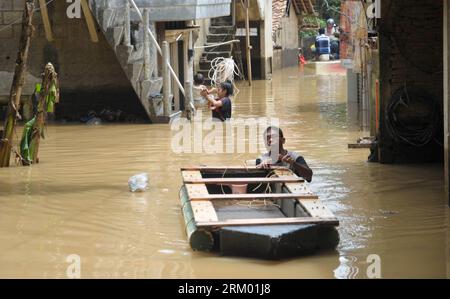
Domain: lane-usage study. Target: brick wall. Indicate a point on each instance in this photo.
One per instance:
(411, 55)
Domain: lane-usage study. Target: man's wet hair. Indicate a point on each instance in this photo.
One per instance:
(322, 31)
(228, 87)
(274, 128)
(199, 79)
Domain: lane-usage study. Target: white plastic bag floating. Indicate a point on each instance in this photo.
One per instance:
(138, 183)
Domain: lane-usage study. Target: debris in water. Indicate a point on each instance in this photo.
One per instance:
(138, 183)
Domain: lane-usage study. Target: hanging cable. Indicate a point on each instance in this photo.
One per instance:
(223, 70)
(421, 109)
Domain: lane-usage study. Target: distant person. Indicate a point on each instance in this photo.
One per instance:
(323, 46)
(331, 28)
(277, 155)
(335, 47)
(220, 107)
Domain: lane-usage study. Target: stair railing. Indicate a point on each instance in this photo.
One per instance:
(155, 42)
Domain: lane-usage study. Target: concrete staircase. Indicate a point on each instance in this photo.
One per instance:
(220, 30)
(110, 15)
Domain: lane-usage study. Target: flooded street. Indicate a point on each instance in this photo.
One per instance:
(77, 200)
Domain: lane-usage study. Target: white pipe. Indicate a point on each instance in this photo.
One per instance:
(219, 44)
(166, 81)
(180, 86)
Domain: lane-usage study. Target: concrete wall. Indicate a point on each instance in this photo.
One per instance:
(288, 39)
(89, 73)
(411, 55)
(257, 10)
(260, 16)
(266, 41)
(184, 10)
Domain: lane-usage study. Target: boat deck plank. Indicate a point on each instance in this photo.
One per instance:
(270, 221)
(315, 208)
(203, 210)
(223, 181)
(253, 196)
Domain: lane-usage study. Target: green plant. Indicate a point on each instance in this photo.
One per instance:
(329, 9)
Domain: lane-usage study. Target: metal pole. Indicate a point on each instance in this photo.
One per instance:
(127, 40)
(233, 12)
(166, 80)
(247, 41)
(146, 44)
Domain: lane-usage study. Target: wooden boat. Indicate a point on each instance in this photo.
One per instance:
(245, 211)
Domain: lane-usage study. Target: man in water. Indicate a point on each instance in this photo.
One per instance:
(331, 28)
(323, 46)
(221, 107)
(279, 156)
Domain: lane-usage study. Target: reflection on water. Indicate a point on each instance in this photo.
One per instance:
(77, 200)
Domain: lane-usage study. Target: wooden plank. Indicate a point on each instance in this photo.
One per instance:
(203, 210)
(223, 181)
(89, 21)
(46, 20)
(270, 221)
(296, 7)
(315, 208)
(196, 191)
(247, 43)
(223, 168)
(360, 145)
(254, 196)
(191, 175)
(311, 7)
(305, 10)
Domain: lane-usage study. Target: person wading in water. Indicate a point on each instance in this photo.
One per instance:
(221, 107)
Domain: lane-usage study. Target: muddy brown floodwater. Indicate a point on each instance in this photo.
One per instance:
(77, 200)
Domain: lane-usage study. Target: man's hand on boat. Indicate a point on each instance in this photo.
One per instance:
(287, 158)
(268, 162)
(265, 164)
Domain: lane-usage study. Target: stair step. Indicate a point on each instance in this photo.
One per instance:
(213, 55)
(114, 35)
(151, 87)
(205, 73)
(222, 21)
(106, 18)
(219, 38)
(221, 48)
(221, 29)
(134, 72)
(205, 65)
(123, 54)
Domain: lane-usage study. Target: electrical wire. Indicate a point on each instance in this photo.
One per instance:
(414, 135)
(223, 70)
